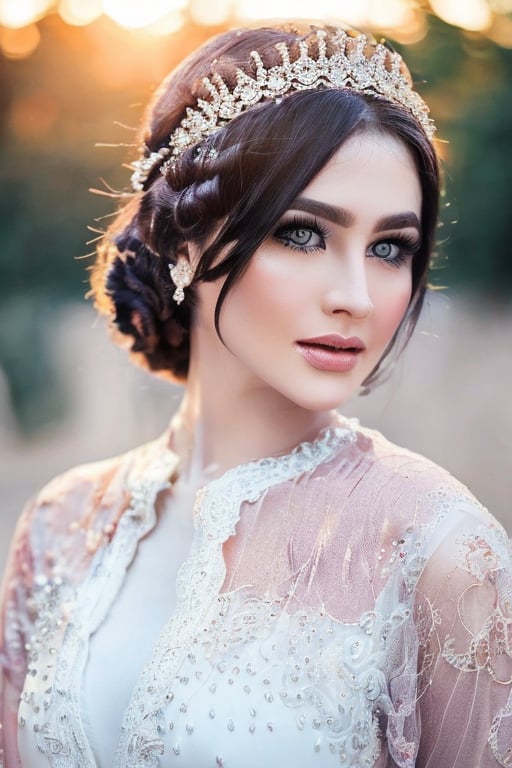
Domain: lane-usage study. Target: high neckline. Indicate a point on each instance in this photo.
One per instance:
(303, 456)
(340, 427)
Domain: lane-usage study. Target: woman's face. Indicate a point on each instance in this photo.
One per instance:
(325, 292)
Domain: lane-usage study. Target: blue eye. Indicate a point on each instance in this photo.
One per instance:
(301, 235)
(387, 251)
(394, 251)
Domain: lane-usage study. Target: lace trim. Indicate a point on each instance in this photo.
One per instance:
(199, 581)
(49, 600)
(61, 737)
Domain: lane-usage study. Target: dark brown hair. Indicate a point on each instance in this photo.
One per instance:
(263, 160)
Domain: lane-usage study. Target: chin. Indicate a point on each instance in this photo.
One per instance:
(323, 402)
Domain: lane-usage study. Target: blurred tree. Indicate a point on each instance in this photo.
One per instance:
(55, 104)
(482, 180)
(48, 161)
(467, 83)
(27, 355)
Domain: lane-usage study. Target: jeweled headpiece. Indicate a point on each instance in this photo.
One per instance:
(382, 73)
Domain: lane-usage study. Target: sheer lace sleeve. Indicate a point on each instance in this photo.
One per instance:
(52, 548)
(465, 695)
(15, 631)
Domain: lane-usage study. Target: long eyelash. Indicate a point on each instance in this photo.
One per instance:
(408, 244)
(305, 221)
(301, 222)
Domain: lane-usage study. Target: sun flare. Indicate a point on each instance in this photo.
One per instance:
(133, 14)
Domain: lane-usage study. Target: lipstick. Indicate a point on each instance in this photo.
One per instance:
(331, 352)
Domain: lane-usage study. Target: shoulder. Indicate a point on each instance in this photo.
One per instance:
(75, 489)
(398, 494)
(79, 509)
(74, 497)
(408, 478)
(433, 513)
(413, 469)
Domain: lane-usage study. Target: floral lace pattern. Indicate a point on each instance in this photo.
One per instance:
(56, 703)
(200, 579)
(333, 676)
(332, 681)
(367, 531)
(481, 554)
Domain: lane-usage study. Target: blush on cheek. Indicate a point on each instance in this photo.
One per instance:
(270, 282)
(397, 308)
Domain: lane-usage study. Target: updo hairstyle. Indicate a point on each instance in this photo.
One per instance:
(263, 160)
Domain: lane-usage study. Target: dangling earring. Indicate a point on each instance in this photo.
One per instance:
(182, 275)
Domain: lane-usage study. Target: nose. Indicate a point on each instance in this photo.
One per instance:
(347, 290)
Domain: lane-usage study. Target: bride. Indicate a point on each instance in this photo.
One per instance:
(269, 582)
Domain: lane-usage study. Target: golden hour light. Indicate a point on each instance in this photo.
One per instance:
(502, 6)
(80, 12)
(19, 13)
(473, 15)
(501, 32)
(383, 14)
(134, 14)
(347, 10)
(32, 117)
(167, 25)
(412, 32)
(19, 43)
(210, 13)
(387, 14)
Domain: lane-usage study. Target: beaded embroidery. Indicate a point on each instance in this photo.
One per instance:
(199, 581)
(339, 682)
(61, 737)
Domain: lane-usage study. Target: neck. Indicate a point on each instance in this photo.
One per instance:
(224, 420)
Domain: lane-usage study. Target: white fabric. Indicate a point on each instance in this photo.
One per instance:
(124, 641)
(347, 604)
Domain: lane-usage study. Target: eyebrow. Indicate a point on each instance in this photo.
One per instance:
(398, 221)
(346, 219)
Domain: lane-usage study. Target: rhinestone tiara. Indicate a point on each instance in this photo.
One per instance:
(380, 74)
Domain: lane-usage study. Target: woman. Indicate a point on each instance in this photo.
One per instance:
(269, 582)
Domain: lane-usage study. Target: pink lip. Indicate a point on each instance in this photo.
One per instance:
(331, 352)
(335, 340)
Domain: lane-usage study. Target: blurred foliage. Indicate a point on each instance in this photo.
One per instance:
(55, 104)
(467, 84)
(38, 396)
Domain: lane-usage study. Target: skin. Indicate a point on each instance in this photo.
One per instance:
(254, 394)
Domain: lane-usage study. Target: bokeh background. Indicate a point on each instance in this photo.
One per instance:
(74, 77)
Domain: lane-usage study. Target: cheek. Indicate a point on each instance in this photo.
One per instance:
(391, 304)
(402, 302)
(270, 288)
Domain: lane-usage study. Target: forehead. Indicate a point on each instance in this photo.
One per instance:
(372, 175)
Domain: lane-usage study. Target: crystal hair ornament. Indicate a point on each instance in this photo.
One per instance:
(383, 73)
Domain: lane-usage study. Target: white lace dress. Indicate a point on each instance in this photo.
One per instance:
(348, 604)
